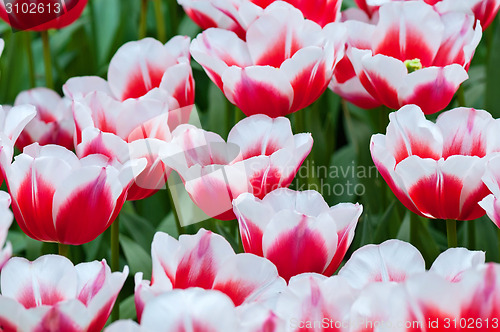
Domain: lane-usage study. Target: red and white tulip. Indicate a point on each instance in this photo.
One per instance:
(435, 169)
(297, 231)
(53, 123)
(412, 55)
(396, 261)
(484, 10)
(284, 65)
(57, 197)
(206, 260)
(51, 294)
(261, 155)
(181, 310)
(237, 15)
(140, 68)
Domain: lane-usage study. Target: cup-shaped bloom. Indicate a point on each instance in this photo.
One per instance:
(412, 55)
(261, 155)
(316, 303)
(126, 131)
(435, 169)
(297, 231)
(484, 10)
(57, 197)
(52, 294)
(491, 178)
(206, 260)
(6, 218)
(183, 310)
(397, 261)
(53, 123)
(284, 65)
(139, 69)
(232, 15)
(237, 15)
(12, 122)
(40, 15)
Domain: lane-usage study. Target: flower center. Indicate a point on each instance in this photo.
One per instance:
(413, 65)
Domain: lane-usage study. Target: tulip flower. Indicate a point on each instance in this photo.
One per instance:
(297, 231)
(40, 15)
(12, 122)
(314, 302)
(435, 169)
(484, 10)
(182, 310)
(53, 123)
(491, 178)
(141, 68)
(57, 197)
(284, 65)
(411, 52)
(51, 294)
(6, 218)
(237, 15)
(396, 261)
(2, 44)
(206, 260)
(261, 155)
(232, 15)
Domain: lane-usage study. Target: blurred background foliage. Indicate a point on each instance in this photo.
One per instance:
(340, 158)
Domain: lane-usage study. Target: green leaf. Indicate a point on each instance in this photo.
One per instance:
(138, 229)
(137, 258)
(127, 308)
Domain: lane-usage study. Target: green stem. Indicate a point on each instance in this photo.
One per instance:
(498, 237)
(63, 250)
(300, 121)
(471, 230)
(229, 116)
(47, 59)
(142, 20)
(414, 225)
(238, 115)
(174, 19)
(451, 230)
(160, 21)
(93, 29)
(29, 53)
(461, 96)
(115, 260)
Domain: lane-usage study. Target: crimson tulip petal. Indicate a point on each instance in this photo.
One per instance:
(258, 90)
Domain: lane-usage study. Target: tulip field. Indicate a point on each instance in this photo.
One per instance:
(249, 165)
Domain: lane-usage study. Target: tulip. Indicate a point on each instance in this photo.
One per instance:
(126, 131)
(53, 123)
(297, 231)
(206, 260)
(284, 65)
(237, 15)
(397, 261)
(141, 68)
(261, 155)
(232, 15)
(5, 222)
(314, 302)
(51, 294)
(57, 197)
(411, 52)
(435, 169)
(12, 122)
(2, 44)
(491, 179)
(484, 10)
(185, 310)
(40, 15)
